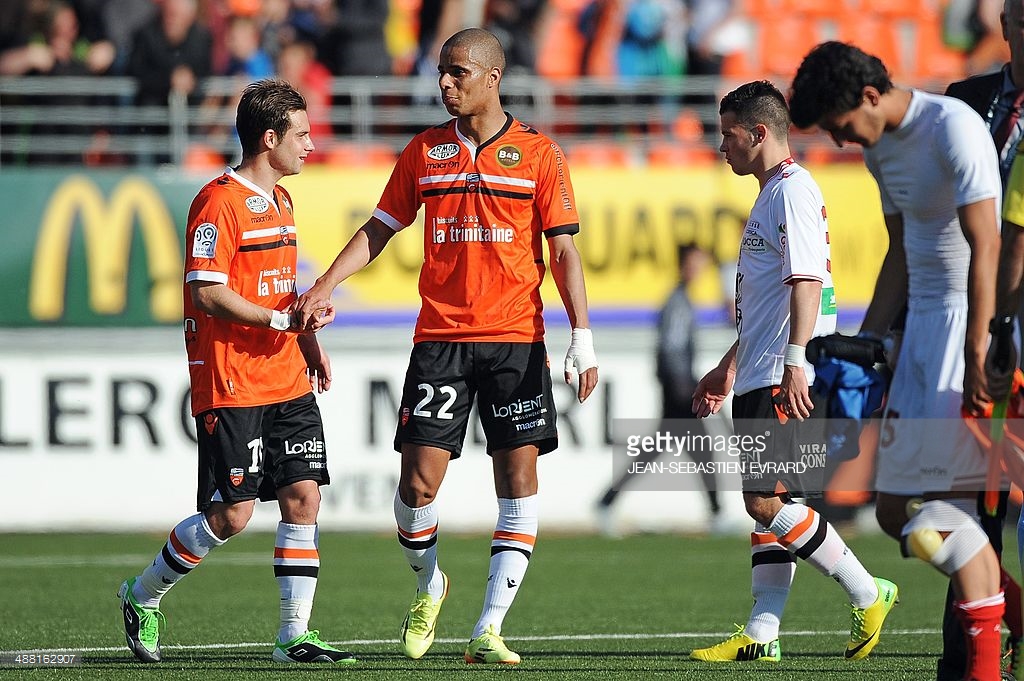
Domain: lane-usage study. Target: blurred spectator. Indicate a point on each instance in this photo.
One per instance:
(66, 54)
(20, 22)
(297, 64)
(973, 27)
(600, 25)
(515, 23)
(312, 18)
(713, 31)
(170, 54)
(438, 19)
(651, 39)
(121, 20)
(353, 45)
(71, 54)
(276, 26)
(245, 54)
(674, 360)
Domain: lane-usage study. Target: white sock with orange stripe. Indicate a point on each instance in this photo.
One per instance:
(187, 544)
(809, 536)
(772, 568)
(417, 533)
(297, 567)
(511, 548)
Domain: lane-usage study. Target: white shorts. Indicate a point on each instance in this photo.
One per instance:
(924, 445)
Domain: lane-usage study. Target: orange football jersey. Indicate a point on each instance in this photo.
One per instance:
(485, 211)
(239, 236)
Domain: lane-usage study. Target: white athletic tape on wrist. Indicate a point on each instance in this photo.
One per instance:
(796, 355)
(580, 356)
(282, 321)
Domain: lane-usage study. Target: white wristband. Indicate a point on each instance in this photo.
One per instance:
(282, 321)
(796, 355)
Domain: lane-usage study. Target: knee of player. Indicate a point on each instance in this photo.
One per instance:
(763, 509)
(415, 493)
(943, 535)
(227, 520)
(893, 519)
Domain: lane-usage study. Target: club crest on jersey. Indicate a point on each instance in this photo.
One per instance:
(284, 233)
(257, 204)
(204, 242)
(235, 476)
(472, 182)
(509, 156)
(443, 152)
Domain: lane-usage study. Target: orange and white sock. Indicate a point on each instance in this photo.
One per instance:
(812, 538)
(511, 547)
(297, 568)
(772, 568)
(187, 544)
(417, 533)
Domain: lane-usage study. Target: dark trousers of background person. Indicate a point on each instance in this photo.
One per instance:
(673, 409)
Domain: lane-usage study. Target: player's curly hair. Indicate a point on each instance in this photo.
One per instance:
(265, 105)
(758, 102)
(831, 80)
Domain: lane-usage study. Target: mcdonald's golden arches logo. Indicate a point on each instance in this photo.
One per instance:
(108, 227)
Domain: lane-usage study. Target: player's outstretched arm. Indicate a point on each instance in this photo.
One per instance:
(567, 271)
(365, 245)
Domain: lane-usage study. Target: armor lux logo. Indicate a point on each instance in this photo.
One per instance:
(313, 446)
(107, 228)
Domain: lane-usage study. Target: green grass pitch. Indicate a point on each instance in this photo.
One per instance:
(590, 608)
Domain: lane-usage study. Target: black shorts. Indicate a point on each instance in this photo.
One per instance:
(510, 381)
(250, 452)
(792, 453)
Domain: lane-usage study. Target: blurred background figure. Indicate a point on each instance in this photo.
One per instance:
(246, 56)
(676, 349)
(652, 38)
(297, 64)
(171, 53)
(353, 44)
(515, 23)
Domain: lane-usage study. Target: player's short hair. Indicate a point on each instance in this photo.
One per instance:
(831, 80)
(483, 44)
(758, 102)
(265, 105)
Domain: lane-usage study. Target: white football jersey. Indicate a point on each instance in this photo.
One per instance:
(940, 157)
(785, 240)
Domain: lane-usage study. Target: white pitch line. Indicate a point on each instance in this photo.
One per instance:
(392, 641)
(122, 560)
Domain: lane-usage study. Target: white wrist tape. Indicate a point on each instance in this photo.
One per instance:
(282, 321)
(581, 352)
(796, 355)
